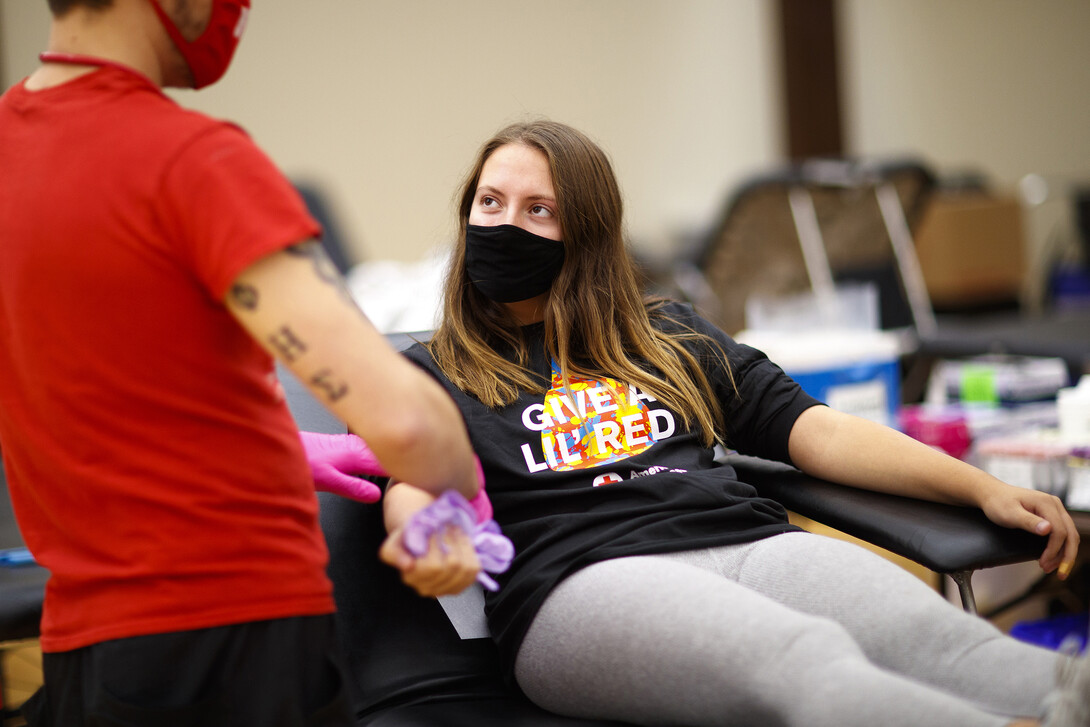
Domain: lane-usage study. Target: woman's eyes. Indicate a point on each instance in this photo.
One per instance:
(537, 210)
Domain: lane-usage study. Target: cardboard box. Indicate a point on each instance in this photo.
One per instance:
(971, 249)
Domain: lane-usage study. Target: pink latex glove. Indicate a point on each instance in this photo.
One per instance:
(334, 459)
(480, 502)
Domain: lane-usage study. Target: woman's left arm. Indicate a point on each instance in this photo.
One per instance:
(860, 453)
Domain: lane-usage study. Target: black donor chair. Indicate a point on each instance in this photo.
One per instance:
(413, 661)
(422, 662)
(410, 666)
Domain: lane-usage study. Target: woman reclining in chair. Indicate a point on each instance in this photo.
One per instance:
(649, 585)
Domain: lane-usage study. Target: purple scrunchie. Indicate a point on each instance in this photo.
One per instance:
(493, 548)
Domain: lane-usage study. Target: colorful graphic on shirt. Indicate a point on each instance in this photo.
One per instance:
(593, 423)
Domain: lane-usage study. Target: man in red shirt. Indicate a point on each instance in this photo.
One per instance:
(151, 260)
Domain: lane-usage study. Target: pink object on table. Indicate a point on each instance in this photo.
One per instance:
(944, 429)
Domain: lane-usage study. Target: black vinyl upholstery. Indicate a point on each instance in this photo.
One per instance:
(943, 538)
(409, 667)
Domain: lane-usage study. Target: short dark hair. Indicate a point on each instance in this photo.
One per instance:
(61, 7)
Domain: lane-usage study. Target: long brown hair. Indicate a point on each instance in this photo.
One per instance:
(596, 321)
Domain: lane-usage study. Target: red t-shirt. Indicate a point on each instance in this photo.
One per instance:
(153, 465)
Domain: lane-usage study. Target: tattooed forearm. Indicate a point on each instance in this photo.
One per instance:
(334, 389)
(244, 296)
(313, 250)
(287, 344)
(327, 272)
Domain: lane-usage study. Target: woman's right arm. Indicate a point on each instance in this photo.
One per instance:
(451, 564)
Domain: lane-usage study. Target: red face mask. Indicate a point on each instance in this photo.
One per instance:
(209, 55)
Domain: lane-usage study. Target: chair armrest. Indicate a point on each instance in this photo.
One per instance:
(943, 538)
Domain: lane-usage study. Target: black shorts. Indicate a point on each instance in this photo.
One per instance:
(279, 673)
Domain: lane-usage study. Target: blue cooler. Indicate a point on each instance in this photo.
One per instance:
(853, 371)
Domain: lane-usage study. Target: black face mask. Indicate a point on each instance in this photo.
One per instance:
(506, 263)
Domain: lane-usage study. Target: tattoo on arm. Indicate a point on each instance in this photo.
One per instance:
(244, 295)
(323, 266)
(333, 389)
(313, 250)
(287, 344)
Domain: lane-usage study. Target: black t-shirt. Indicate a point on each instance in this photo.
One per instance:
(607, 471)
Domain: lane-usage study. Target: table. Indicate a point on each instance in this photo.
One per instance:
(1063, 334)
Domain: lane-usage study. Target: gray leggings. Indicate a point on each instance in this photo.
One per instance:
(796, 629)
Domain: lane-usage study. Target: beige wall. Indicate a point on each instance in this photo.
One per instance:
(385, 103)
(998, 85)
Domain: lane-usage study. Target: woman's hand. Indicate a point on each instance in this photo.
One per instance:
(1040, 513)
(449, 566)
(853, 451)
